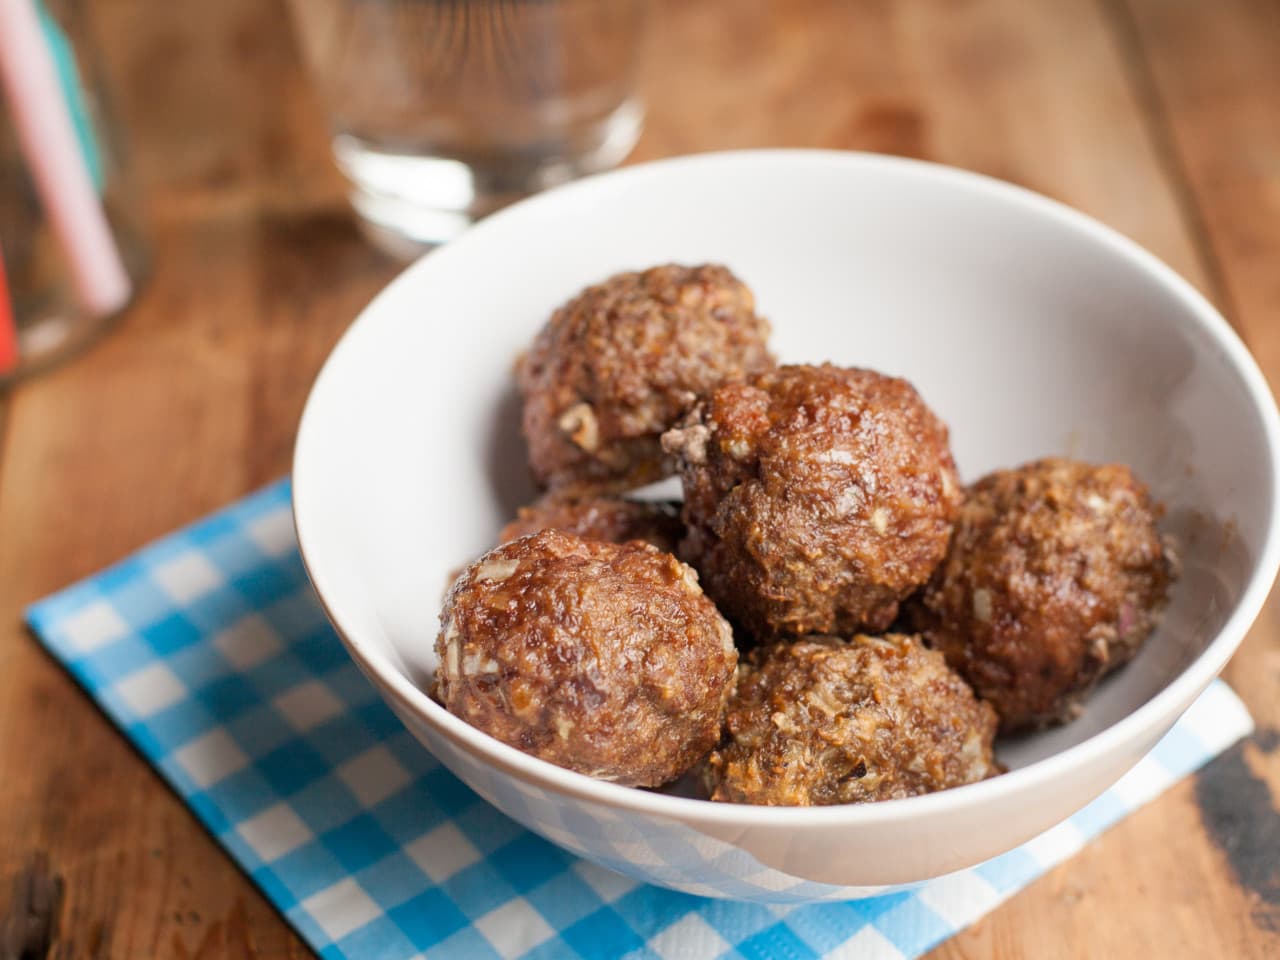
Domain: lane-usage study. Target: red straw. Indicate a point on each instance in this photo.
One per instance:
(8, 327)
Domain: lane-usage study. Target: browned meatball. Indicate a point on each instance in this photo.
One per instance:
(603, 658)
(816, 498)
(619, 364)
(600, 518)
(1055, 575)
(822, 721)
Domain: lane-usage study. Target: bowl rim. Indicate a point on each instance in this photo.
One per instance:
(1157, 712)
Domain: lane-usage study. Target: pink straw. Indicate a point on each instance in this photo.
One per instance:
(48, 140)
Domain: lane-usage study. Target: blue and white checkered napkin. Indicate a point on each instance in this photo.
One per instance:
(211, 653)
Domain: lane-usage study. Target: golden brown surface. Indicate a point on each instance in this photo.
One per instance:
(603, 658)
(611, 519)
(815, 497)
(821, 720)
(1055, 576)
(619, 363)
(1158, 117)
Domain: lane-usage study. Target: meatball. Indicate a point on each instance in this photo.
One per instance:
(600, 518)
(1055, 575)
(619, 364)
(816, 498)
(821, 721)
(603, 658)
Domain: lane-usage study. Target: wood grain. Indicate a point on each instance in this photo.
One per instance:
(1149, 114)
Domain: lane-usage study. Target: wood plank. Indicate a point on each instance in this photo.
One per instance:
(1032, 93)
(221, 118)
(1037, 94)
(1215, 69)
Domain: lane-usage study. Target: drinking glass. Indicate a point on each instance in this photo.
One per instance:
(71, 255)
(442, 111)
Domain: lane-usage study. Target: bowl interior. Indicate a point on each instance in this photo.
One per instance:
(1029, 329)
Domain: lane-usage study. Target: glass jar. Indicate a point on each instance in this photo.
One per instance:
(71, 254)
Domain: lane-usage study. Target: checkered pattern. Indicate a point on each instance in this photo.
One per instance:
(210, 652)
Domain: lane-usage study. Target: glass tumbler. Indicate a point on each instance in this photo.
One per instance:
(71, 256)
(444, 110)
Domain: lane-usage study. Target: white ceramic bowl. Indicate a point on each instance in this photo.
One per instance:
(1030, 328)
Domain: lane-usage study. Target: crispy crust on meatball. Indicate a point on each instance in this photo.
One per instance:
(823, 721)
(611, 519)
(617, 365)
(1055, 576)
(816, 498)
(603, 658)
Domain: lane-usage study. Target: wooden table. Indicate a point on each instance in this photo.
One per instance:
(1160, 117)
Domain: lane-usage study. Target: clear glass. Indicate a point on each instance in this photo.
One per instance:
(43, 306)
(445, 110)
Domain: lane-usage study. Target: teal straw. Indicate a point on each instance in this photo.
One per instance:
(64, 59)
